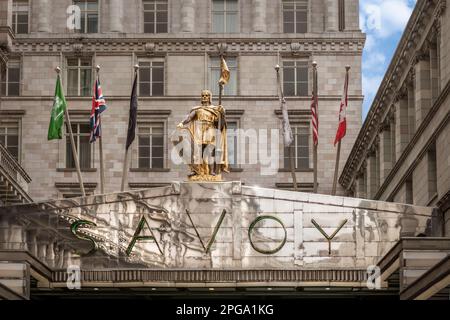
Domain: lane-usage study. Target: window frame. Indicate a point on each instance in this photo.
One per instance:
(236, 165)
(76, 137)
(164, 83)
(234, 72)
(84, 12)
(224, 13)
(15, 13)
(295, 126)
(6, 83)
(79, 67)
(143, 11)
(294, 3)
(150, 122)
(18, 123)
(296, 82)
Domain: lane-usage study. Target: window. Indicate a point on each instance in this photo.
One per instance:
(214, 70)
(10, 78)
(89, 15)
(20, 16)
(79, 77)
(225, 16)
(341, 8)
(151, 78)
(151, 145)
(295, 16)
(155, 16)
(9, 136)
(232, 142)
(295, 78)
(81, 134)
(300, 145)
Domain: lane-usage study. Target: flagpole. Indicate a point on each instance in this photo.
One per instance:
(126, 160)
(100, 146)
(338, 153)
(336, 168)
(72, 143)
(315, 93)
(291, 150)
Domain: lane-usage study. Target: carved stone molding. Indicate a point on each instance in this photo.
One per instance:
(295, 48)
(256, 46)
(77, 48)
(222, 47)
(149, 48)
(442, 6)
(385, 125)
(420, 55)
(400, 94)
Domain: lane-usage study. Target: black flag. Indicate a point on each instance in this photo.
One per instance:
(133, 114)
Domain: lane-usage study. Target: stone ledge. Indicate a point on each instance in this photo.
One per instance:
(230, 277)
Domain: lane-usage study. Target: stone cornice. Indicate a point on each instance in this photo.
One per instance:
(152, 46)
(402, 59)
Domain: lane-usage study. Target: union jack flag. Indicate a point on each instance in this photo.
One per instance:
(98, 106)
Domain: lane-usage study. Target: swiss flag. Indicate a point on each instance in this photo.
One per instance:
(342, 128)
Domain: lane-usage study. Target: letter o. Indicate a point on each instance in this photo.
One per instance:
(252, 226)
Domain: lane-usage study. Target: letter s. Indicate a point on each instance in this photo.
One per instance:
(82, 224)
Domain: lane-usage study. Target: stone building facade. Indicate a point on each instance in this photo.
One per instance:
(402, 152)
(177, 44)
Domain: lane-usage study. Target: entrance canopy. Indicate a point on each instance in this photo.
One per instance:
(206, 235)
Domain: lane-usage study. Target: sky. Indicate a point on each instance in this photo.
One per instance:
(383, 21)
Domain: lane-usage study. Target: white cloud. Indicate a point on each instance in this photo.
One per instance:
(383, 21)
(384, 18)
(375, 61)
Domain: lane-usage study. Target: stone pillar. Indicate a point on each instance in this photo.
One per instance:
(422, 87)
(401, 123)
(411, 106)
(43, 9)
(371, 174)
(5, 13)
(5, 24)
(115, 16)
(352, 15)
(331, 15)
(259, 15)
(362, 181)
(187, 15)
(434, 70)
(385, 150)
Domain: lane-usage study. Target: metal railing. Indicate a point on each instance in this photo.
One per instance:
(13, 170)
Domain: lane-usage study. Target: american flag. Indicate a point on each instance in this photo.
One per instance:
(98, 106)
(342, 129)
(315, 118)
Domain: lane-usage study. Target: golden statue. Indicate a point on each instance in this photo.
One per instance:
(208, 131)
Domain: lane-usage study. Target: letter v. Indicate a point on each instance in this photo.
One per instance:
(216, 229)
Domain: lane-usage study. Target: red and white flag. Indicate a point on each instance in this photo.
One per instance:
(342, 129)
(315, 118)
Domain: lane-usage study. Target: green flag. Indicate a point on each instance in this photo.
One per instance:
(57, 116)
